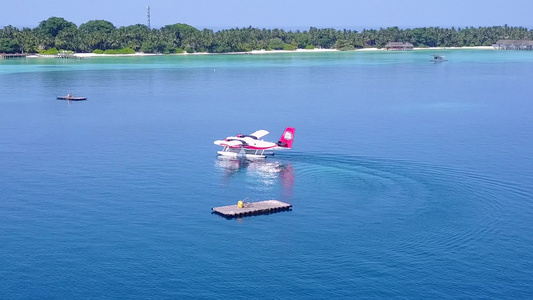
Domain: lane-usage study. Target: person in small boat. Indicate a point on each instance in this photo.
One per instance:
(69, 95)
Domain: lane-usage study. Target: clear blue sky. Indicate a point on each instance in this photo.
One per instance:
(289, 14)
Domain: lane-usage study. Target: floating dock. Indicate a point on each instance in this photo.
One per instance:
(252, 208)
(70, 98)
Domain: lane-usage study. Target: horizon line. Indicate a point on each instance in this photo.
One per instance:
(294, 27)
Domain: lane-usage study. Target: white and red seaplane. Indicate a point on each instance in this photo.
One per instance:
(251, 146)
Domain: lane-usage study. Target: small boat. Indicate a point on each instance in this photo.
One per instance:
(71, 98)
(437, 58)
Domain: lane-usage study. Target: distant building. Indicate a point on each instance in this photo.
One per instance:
(398, 46)
(513, 45)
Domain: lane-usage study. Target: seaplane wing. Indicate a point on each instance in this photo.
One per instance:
(259, 134)
(231, 144)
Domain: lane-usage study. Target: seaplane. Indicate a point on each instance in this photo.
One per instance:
(251, 146)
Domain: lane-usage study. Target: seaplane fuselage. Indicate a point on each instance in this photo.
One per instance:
(252, 146)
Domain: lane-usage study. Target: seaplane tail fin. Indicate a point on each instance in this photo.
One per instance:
(286, 138)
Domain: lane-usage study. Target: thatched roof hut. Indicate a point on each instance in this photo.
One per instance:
(397, 46)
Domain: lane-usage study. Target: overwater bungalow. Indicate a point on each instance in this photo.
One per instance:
(398, 46)
(514, 45)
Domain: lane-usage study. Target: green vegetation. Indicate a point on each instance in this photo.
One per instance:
(8, 45)
(52, 51)
(102, 35)
(120, 51)
(290, 47)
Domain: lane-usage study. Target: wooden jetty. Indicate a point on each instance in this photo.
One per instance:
(63, 54)
(71, 98)
(67, 54)
(12, 55)
(242, 209)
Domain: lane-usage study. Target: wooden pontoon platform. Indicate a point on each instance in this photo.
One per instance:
(71, 98)
(252, 208)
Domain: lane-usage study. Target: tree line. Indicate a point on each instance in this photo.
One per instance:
(100, 35)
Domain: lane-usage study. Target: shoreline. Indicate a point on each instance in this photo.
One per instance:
(256, 52)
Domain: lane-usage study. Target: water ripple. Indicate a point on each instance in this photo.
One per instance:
(448, 210)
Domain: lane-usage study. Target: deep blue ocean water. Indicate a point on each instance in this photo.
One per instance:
(408, 179)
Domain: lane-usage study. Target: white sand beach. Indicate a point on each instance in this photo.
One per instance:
(263, 51)
(137, 54)
(365, 49)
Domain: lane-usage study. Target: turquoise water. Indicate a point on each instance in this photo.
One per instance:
(408, 179)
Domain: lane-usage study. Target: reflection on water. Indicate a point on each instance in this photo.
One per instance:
(231, 166)
(267, 172)
(287, 180)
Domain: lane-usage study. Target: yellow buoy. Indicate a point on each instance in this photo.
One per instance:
(240, 204)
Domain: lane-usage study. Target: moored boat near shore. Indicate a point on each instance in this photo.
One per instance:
(437, 58)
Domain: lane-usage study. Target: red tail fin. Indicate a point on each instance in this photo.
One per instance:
(286, 138)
